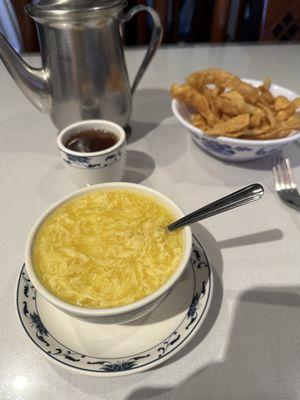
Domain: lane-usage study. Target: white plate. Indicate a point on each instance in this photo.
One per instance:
(113, 350)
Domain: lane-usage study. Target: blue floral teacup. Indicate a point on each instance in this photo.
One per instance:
(90, 168)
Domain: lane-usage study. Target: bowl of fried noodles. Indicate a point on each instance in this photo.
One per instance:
(236, 119)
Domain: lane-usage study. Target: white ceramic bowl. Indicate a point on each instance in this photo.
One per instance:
(115, 314)
(234, 149)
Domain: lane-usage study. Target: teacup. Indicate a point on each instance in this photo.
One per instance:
(90, 168)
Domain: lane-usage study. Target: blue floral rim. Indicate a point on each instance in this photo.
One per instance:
(102, 161)
(33, 325)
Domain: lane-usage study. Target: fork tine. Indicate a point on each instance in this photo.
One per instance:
(289, 173)
(277, 176)
(285, 174)
(280, 172)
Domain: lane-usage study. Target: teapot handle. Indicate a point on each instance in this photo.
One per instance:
(155, 40)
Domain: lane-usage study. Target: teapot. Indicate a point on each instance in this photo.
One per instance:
(83, 74)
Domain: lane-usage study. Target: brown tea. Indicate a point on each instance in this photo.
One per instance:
(91, 140)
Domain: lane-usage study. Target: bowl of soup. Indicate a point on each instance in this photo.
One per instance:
(104, 254)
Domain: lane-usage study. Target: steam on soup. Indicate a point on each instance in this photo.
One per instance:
(107, 248)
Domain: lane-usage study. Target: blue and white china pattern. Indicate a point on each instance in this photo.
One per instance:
(228, 152)
(234, 149)
(100, 161)
(88, 169)
(38, 333)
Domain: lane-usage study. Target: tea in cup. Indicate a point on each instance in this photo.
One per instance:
(93, 151)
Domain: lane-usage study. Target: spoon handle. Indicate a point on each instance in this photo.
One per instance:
(241, 197)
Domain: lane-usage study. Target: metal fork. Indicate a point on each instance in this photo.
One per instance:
(284, 184)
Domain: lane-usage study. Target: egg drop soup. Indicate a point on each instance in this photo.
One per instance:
(107, 248)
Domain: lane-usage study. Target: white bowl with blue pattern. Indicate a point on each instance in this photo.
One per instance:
(235, 149)
(121, 314)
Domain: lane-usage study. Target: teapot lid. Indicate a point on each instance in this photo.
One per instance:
(66, 8)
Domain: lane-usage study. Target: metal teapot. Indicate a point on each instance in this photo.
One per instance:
(83, 74)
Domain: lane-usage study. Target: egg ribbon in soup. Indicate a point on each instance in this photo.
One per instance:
(107, 248)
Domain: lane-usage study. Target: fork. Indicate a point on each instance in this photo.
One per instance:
(285, 186)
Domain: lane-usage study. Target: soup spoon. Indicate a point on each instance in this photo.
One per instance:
(239, 198)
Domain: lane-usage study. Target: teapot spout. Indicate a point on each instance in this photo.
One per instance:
(32, 81)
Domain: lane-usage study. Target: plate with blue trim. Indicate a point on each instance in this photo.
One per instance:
(114, 350)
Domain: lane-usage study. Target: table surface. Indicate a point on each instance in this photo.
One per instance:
(249, 345)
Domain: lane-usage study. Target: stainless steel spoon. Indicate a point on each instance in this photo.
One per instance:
(241, 197)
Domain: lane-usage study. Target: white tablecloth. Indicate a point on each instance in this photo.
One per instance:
(249, 345)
